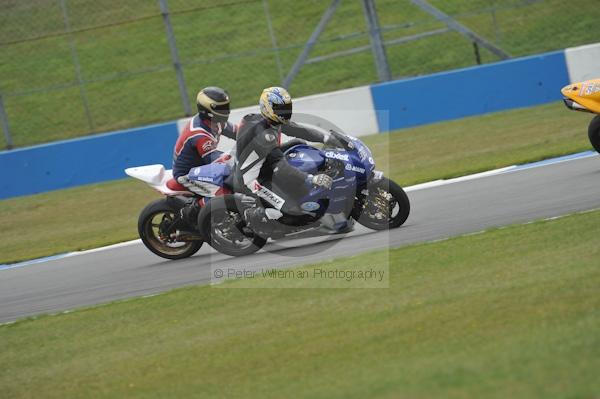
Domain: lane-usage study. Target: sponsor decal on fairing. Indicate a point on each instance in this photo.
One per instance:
(352, 168)
(335, 155)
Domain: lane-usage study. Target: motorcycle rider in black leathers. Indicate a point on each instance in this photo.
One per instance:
(260, 162)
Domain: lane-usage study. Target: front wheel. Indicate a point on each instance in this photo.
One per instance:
(221, 223)
(153, 223)
(384, 205)
(594, 132)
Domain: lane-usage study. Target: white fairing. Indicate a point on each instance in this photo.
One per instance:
(151, 174)
(156, 177)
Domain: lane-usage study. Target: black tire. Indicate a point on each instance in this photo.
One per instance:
(362, 216)
(208, 226)
(594, 132)
(150, 238)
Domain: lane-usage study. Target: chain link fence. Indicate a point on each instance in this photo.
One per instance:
(76, 67)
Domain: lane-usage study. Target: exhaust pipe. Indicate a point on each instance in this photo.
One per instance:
(575, 106)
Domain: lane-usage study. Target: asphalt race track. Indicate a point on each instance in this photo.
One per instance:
(437, 212)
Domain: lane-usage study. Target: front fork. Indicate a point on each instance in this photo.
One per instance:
(376, 176)
(363, 194)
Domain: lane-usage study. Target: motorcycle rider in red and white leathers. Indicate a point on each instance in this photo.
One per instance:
(197, 143)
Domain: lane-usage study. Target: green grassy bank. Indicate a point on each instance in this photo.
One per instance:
(124, 58)
(508, 313)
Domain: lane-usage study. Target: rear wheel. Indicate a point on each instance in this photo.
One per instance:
(153, 223)
(594, 132)
(384, 206)
(222, 225)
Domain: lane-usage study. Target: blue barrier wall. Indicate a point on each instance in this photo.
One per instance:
(477, 90)
(83, 161)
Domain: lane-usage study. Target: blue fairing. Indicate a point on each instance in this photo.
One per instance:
(362, 158)
(214, 173)
(306, 158)
(358, 167)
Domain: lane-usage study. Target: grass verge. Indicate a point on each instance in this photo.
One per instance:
(91, 216)
(512, 312)
(124, 58)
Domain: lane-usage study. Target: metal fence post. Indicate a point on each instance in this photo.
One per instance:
(463, 30)
(477, 54)
(273, 40)
(383, 68)
(311, 43)
(77, 66)
(5, 128)
(164, 10)
(495, 23)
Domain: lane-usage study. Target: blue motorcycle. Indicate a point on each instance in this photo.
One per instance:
(359, 193)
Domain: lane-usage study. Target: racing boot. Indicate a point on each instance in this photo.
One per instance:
(256, 220)
(336, 224)
(189, 214)
(255, 216)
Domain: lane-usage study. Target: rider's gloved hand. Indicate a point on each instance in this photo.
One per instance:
(320, 181)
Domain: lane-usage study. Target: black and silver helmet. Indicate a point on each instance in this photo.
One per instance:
(213, 105)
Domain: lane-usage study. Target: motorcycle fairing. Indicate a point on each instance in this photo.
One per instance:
(214, 173)
(583, 96)
(353, 169)
(305, 158)
(210, 178)
(156, 177)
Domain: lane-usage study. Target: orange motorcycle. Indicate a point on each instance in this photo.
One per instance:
(585, 96)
